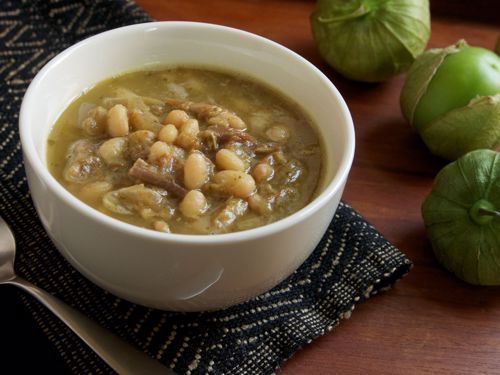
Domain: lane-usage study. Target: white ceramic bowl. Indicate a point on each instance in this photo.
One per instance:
(173, 271)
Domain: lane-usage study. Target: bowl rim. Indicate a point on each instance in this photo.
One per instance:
(30, 153)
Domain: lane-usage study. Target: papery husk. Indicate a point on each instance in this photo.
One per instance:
(475, 126)
(371, 40)
(469, 250)
(497, 47)
(420, 75)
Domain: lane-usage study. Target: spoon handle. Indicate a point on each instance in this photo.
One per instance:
(119, 355)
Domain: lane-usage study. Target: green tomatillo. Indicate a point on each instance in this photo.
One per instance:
(452, 98)
(462, 217)
(370, 40)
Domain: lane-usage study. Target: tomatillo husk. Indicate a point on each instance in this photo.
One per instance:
(464, 129)
(462, 217)
(371, 40)
(420, 75)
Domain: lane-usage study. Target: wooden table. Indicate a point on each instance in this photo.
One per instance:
(431, 322)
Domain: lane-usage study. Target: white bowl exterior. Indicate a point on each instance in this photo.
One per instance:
(164, 274)
(180, 272)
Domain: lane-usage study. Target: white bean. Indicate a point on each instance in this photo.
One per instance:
(161, 226)
(263, 172)
(176, 117)
(189, 131)
(236, 183)
(194, 204)
(168, 134)
(117, 121)
(235, 122)
(158, 151)
(196, 170)
(191, 126)
(227, 159)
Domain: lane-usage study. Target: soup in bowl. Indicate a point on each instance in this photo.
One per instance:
(184, 166)
(187, 150)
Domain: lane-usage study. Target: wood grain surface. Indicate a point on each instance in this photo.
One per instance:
(431, 322)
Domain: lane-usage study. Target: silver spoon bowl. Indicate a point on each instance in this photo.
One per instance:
(119, 355)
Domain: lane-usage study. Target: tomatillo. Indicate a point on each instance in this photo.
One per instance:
(451, 96)
(370, 40)
(462, 217)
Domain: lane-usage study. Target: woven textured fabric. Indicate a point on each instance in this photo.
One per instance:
(352, 262)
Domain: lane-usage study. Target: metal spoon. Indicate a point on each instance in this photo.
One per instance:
(119, 355)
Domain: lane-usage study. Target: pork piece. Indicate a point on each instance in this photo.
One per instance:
(210, 140)
(94, 124)
(82, 163)
(217, 135)
(212, 114)
(267, 148)
(150, 174)
(138, 199)
(234, 208)
(225, 134)
(139, 143)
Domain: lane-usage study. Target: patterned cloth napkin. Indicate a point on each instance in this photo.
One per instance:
(352, 262)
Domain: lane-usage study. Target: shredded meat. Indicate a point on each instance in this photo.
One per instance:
(139, 143)
(267, 148)
(149, 174)
(83, 162)
(218, 134)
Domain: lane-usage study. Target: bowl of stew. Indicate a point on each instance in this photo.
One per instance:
(184, 166)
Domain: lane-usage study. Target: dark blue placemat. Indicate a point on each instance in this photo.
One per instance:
(352, 262)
